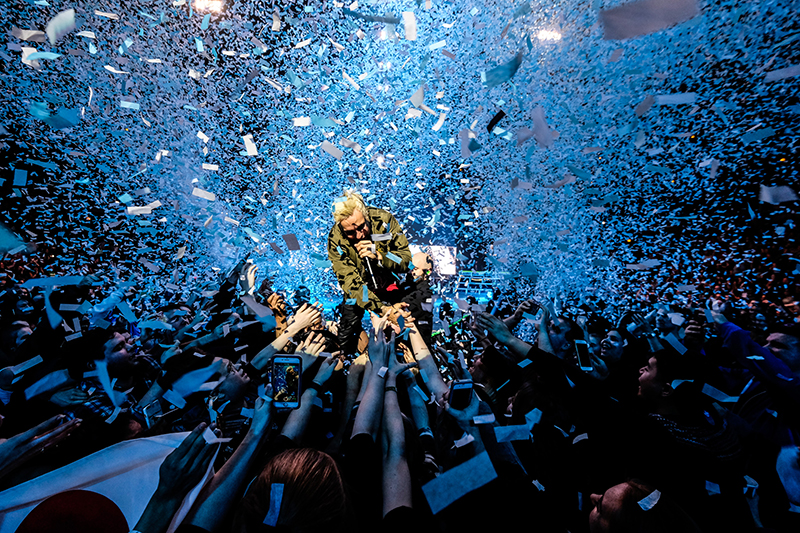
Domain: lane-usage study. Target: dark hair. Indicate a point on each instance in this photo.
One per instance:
(786, 329)
(574, 331)
(174, 306)
(671, 365)
(90, 345)
(664, 517)
(314, 498)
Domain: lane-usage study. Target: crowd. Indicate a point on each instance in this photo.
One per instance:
(668, 418)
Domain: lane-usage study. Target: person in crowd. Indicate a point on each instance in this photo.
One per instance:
(378, 441)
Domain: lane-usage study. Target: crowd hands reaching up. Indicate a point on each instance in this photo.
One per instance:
(666, 418)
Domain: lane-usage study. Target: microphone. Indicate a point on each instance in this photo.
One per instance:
(369, 267)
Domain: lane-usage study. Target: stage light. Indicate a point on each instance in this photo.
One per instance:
(208, 5)
(548, 35)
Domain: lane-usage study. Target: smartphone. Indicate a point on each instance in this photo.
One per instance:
(152, 412)
(286, 372)
(582, 351)
(460, 393)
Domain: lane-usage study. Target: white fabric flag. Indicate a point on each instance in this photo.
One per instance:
(126, 473)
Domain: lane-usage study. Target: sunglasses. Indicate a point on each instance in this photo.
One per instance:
(355, 230)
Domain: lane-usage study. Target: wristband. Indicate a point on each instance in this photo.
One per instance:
(316, 386)
(390, 389)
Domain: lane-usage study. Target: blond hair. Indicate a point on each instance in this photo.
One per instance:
(345, 209)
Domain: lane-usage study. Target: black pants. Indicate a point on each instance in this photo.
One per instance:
(350, 317)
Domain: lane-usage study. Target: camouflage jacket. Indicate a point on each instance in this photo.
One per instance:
(352, 272)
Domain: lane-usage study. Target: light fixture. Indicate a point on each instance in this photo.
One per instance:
(548, 35)
(208, 5)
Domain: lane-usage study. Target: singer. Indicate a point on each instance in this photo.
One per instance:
(369, 253)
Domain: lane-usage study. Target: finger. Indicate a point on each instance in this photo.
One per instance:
(408, 366)
(200, 463)
(44, 427)
(196, 436)
(199, 444)
(53, 438)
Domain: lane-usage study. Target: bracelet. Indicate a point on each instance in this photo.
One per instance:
(390, 389)
(316, 386)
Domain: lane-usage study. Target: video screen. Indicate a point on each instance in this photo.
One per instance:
(443, 257)
(286, 382)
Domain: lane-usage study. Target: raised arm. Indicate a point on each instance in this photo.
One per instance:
(427, 363)
(179, 473)
(371, 409)
(295, 426)
(761, 361)
(396, 475)
(525, 307)
(305, 316)
(500, 331)
(225, 489)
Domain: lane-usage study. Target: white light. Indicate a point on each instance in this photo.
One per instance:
(208, 5)
(548, 35)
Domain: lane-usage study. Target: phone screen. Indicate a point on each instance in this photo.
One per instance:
(286, 373)
(582, 351)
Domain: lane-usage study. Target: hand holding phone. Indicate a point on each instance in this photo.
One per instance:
(285, 380)
(460, 393)
(582, 353)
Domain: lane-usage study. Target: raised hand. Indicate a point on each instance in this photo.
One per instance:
(22, 447)
(247, 277)
(329, 365)
(276, 302)
(397, 367)
(528, 306)
(312, 345)
(694, 336)
(262, 413)
(464, 416)
(185, 466)
(305, 316)
(378, 349)
(366, 250)
(69, 397)
(494, 326)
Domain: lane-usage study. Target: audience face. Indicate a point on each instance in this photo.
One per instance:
(786, 348)
(650, 387)
(24, 307)
(611, 347)
(664, 322)
(557, 331)
(178, 318)
(594, 345)
(477, 370)
(116, 352)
